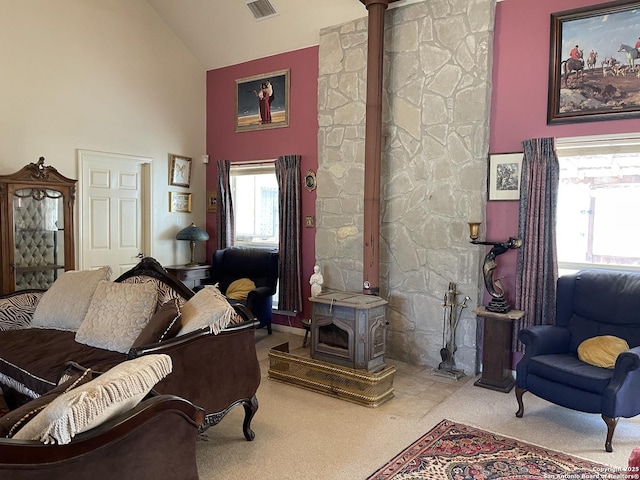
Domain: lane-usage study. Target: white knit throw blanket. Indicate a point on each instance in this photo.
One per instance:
(85, 407)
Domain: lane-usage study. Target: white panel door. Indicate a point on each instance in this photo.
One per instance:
(113, 205)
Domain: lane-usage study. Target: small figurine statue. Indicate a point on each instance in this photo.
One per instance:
(316, 281)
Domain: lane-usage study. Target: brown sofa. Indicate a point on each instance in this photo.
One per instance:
(214, 371)
(126, 446)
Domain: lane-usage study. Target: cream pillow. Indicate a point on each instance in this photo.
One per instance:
(65, 304)
(602, 351)
(117, 314)
(207, 308)
(87, 406)
(239, 289)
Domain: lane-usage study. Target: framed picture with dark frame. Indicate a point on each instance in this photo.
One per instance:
(262, 101)
(505, 174)
(179, 171)
(595, 63)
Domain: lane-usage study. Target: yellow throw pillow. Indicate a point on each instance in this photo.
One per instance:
(602, 351)
(239, 289)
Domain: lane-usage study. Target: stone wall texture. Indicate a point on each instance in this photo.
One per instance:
(436, 107)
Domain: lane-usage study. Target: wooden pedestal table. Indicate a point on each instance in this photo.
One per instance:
(496, 349)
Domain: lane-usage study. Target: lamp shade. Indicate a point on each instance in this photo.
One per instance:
(192, 233)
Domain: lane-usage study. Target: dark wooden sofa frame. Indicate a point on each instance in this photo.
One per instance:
(214, 372)
(155, 439)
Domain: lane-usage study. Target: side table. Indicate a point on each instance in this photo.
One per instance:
(191, 276)
(496, 349)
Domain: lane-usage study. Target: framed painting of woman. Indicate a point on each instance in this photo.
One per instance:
(262, 101)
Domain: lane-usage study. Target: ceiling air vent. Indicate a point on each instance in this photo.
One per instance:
(261, 9)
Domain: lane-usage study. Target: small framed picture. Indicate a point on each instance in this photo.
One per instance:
(309, 221)
(505, 172)
(212, 201)
(179, 171)
(179, 202)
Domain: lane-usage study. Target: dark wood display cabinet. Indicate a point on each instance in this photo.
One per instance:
(36, 221)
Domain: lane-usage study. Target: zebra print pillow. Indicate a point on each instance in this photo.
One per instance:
(17, 310)
(165, 292)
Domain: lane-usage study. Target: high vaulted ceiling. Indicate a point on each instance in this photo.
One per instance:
(224, 32)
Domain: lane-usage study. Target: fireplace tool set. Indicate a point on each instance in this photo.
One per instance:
(450, 318)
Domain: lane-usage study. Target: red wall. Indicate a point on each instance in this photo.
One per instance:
(519, 101)
(300, 137)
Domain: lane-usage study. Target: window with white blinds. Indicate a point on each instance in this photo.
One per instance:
(598, 203)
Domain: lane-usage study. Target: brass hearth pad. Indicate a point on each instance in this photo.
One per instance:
(370, 389)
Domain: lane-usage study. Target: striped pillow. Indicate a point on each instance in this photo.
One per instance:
(16, 311)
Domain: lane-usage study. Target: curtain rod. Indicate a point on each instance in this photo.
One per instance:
(252, 162)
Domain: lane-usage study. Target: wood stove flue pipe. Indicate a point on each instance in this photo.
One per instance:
(373, 146)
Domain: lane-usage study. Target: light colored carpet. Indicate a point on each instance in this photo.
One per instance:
(306, 435)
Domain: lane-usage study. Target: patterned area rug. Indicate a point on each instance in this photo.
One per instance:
(458, 452)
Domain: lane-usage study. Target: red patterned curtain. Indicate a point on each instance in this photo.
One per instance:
(537, 271)
(290, 286)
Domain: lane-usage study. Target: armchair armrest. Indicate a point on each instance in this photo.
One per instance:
(626, 363)
(620, 398)
(261, 291)
(544, 340)
(17, 308)
(257, 297)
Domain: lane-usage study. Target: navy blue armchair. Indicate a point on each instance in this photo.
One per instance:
(590, 303)
(255, 263)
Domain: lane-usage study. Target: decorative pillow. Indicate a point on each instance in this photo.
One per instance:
(13, 421)
(239, 289)
(17, 311)
(602, 351)
(87, 406)
(207, 308)
(65, 304)
(117, 314)
(164, 324)
(165, 292)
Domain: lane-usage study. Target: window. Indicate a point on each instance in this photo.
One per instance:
(254, 192)
(598, 202)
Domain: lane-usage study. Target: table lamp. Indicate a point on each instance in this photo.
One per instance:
(193, 234)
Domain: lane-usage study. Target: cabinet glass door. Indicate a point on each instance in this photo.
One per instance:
(38, 217)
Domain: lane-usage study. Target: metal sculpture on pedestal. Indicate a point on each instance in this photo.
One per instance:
(450, 319)
(494, 287)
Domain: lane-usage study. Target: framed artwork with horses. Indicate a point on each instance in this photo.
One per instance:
(594, 69)
(262, 101)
